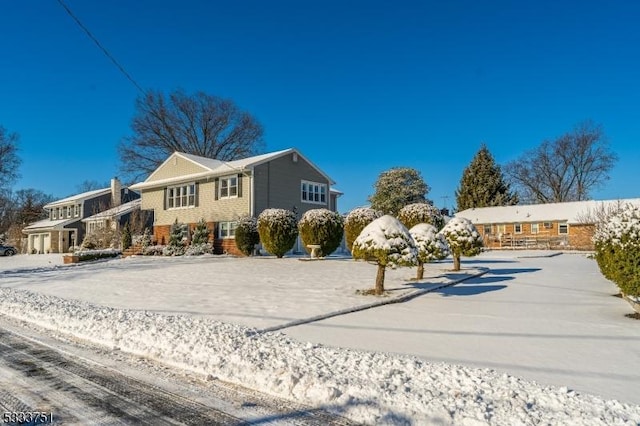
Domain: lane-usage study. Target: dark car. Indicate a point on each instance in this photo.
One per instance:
(7, 250)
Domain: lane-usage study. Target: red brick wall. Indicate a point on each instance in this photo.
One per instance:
(220, 246)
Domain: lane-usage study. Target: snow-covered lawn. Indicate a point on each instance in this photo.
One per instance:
(549, 319)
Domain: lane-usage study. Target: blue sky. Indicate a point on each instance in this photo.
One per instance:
(357, 86)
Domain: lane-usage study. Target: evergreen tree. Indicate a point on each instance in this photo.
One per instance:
(483, 184)
(126, 236)
(355, 222)
(322, 227)
(416, 213)
(397, 187)
(177, 238)
(200, 233)
(278, 229)
(247, 235)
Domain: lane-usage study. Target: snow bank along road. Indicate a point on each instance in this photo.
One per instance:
(42, 384)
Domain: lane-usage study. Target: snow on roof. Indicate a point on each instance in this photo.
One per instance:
(78, 197)
(217, 167)
(572, 212)
(48, 224)
(116, 211)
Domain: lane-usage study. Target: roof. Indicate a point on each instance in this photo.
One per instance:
(117, 211)
(79, 197)
(571, 212)
(48, 225)
(215, 167)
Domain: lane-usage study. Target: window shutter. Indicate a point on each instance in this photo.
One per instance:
(216, 189)
(196, 196)
(239, 185)
(166, 195)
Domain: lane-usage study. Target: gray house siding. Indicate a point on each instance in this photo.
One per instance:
(277, 185)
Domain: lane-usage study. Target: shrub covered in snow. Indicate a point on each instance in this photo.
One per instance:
(463, 239)
(157, 250)
(247, 235)
(322, 227)
(199, 249)
(278, 230)
(200, 233)
(431, 245)
(126, 237)
(86, 255)
(387, 242)
(617, 244)
(413, 214)
(100, 239)
(355, 222)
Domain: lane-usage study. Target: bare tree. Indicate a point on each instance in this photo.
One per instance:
(9, 160)
(566, 169)
(198, 124)
(90, 185)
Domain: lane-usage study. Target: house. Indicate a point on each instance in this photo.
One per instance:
(188, 188)
(555, 225)
(64, 228)
(116, 217)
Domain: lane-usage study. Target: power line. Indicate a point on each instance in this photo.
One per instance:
(104, 50)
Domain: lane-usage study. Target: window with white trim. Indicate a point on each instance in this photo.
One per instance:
(313, 192)
(181, 196)
(517, 228)
(534, 228)
(487, 229)
(77, 212)
(228, 187)
(502, 229)
(227, 229)
(563, 228)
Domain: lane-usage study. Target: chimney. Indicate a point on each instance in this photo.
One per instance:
(116, 192)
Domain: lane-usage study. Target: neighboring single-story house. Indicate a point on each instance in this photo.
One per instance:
(64, 229)
(555, 225)
(188, 188)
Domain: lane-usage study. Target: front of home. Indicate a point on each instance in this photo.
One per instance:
(187, 188)
(568, 225)
(63, 229)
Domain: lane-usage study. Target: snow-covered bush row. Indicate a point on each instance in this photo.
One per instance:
(278, 229)
(198, 249)
(617, 244)
(84, 255)
(413, 214)
(322, 227)
(367, 387)
(355, 221)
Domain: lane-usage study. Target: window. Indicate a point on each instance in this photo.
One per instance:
(502, 229)
(58, 214)
(547, 225)
(487, 229)
(534, 228)
(563, 228)
(77, 214)
(69, 213)
(517, 228)
(227, 230)
(312, 192)
(229, 187)
(181, 196)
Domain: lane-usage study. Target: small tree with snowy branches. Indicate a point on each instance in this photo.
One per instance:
(430, 244)
(200, 233)
(355, 222)
(177, 239)
(322, 227)
(247, 235)
(278, 230)
(413, 214)
(387, 242)
(463, 239)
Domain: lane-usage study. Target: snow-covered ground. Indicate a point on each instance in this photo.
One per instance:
(549, 319)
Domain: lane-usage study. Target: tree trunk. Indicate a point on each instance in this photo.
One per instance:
(380, 280)
(456, 262)
(420, 271)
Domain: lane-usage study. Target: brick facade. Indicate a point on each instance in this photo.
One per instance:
(161, 235)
